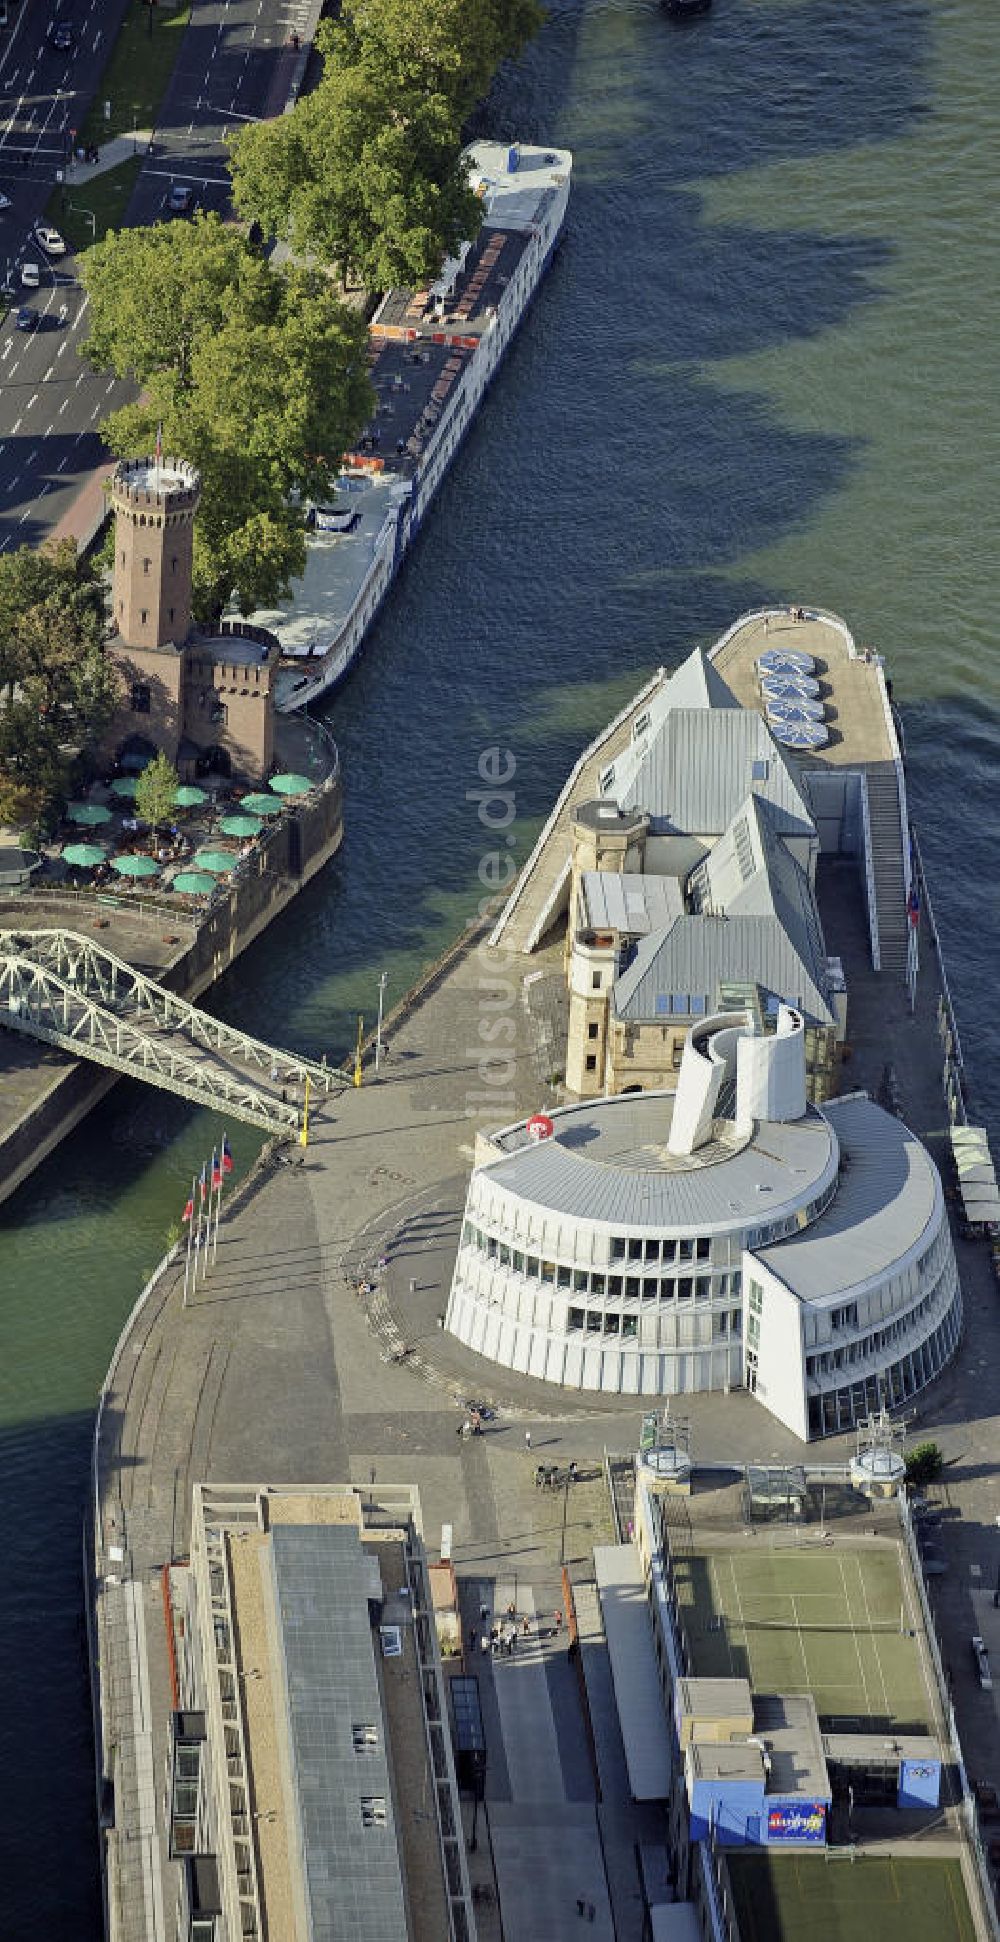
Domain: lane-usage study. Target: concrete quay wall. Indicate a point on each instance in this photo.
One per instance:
(298, 847)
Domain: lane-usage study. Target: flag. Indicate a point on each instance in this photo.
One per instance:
(913, 906)
(227, 1158)
(159, 443)
(216, 1170)
(188, 1213)
(203, 1182)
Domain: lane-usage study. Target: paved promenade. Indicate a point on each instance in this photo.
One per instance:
(279, 1370)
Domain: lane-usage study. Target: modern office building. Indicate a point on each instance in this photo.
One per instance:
(728, 1234)
(313, 1788)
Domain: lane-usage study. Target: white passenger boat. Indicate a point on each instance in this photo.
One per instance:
(433, 353)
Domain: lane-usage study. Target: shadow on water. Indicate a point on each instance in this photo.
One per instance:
(51, 1872)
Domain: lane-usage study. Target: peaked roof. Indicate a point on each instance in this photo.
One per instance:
(697, 955)
(755, 922)
(695, 684)
(692, 772)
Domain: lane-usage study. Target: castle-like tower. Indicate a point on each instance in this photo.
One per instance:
(155, 501)
(204, 699)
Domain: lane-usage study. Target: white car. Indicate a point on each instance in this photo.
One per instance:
(4, 202)
(49, 240)
(31, 276)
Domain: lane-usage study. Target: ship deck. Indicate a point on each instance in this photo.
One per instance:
(850, 688)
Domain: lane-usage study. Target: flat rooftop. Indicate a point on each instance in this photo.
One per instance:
(465, 298)
(334, 1826)
(608, 1161)
(808, 1618)
(813, 1898)
(849, 684)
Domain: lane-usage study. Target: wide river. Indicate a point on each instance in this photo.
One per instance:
(760, 368)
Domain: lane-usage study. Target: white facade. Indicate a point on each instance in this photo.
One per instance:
(808, 1259)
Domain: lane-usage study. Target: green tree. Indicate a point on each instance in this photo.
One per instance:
(257, 376)
(58, 691)
(924, 1464)
(451, 47)
(156, 790)
(365, 174)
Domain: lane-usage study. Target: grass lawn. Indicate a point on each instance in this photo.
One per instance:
(105, 197)
(135, 79)
(793, 1898)
(824, 1620)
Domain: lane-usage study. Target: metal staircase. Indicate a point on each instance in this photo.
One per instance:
(70, 991)
(887, 868)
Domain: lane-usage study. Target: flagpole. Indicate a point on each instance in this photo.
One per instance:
(187, 1264)
(218, 1201)
(208, 1224)
(304, 1135)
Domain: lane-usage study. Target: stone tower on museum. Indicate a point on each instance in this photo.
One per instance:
(155, 502)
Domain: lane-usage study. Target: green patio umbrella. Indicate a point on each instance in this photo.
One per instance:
(241, 825)
(262, 805)
(218, 861)
(290, 785)
(88, 815)
(125, 785)
(84, 856)
(189, 796)
(194, 883)
(135, 866)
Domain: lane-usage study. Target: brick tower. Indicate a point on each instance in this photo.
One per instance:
(155, 502)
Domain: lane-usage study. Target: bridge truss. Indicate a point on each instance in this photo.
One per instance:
(70, 991)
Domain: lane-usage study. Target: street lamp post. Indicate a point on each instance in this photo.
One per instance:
(76, 210)
(562, 1541)
(135, 131)
(378, 1030)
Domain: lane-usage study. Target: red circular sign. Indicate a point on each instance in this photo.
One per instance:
(540, 1127)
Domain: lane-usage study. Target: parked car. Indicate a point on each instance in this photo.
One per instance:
(982, 1660)
(26, 319)
(180, 201)
(31, 276)
(49, 240)
(5, 202)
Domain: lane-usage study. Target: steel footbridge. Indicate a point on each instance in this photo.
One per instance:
(69, 991)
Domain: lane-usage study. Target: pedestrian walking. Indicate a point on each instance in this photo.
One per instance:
(558, 1620)
(472, 1638)
(526, 1626)
(527, 1439)
(484, 1610)
(581, 1906)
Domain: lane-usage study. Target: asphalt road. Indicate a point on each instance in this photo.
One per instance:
(50, 400)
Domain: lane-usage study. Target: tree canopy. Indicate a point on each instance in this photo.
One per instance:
(57, 690)
(366, 172)
(258, 377)
(156, 790)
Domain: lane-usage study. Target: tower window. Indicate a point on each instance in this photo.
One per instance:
(146, 565)
(173, 564)
(123, 559)
(170, 613)
(591, 1062)
(592, 1031)
(143, 617)
(140, 697)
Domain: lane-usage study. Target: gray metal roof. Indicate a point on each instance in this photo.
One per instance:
(638, 1692)
(885, 1200)
(697, 683)
(632, 904)
(692, 773)
(322, 1579)
(607, 1163)
(698, 954)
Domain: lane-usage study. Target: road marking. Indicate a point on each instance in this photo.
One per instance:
(63, 462)
(33, 400)
(16, 428)
(49, 373)
(62, 407)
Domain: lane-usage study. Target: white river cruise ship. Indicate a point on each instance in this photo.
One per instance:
(433, 353)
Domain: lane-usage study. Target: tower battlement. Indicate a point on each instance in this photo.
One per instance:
(151, 490)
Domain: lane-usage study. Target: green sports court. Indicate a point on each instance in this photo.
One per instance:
(834, 1620)
(782, 1898)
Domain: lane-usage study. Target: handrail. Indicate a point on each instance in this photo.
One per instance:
(866, 826)
(548, 826)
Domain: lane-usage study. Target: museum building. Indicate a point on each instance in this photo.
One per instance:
(729, 1234)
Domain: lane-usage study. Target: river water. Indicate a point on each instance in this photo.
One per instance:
(759, 369)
